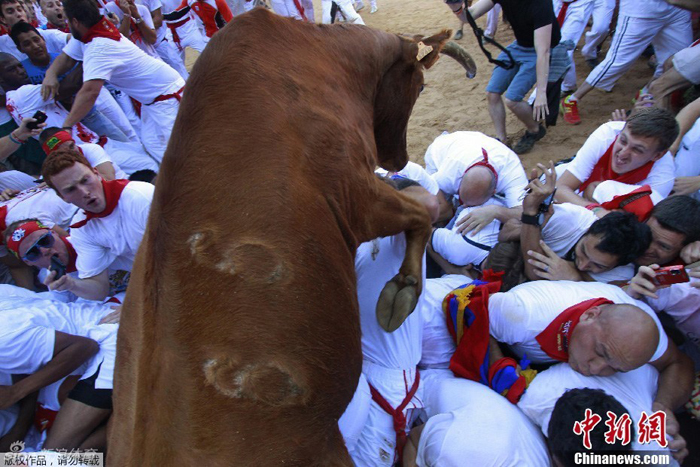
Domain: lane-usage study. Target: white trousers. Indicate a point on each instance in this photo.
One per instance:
(346, 8)
(157, 122)
(167, 49)
(602, 17)
(575, 22)
(667, 34)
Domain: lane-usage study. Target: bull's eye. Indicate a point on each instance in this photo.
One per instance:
(422, 86)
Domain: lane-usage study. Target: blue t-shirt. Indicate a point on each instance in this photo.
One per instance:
(36, 73)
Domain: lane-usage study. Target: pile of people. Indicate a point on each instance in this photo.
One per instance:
(560, 311)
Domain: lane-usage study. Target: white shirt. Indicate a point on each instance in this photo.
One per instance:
(682, 303)
(145, 14)
(127, 68)
(376, 263)
(417, 173)
(486, 431)
(635, 390)
(36, 203)
(568, 223)
(96, 155)
(660, 178)
(472, 248)
(516, 317)
(28, 333)
(438, 345)
(607, 190)
(452, 154)
(16, 180)
(26, 100)
(111, 242)
(151, 6)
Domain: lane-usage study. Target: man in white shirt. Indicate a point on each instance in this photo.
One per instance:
(635, 390)
(108, 56)
(165, 45)
(475, 167)
(107, 234)
(24, 99)
(389, 359)
(49, 340)
(14, 13)
(633, 152)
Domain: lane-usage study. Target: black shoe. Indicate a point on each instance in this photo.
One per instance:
(458, 35)
(527, 142)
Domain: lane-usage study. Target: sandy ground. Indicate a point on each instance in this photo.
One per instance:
(451, 102)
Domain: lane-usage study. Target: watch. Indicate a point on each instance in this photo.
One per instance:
(138, 20)
(535, 220)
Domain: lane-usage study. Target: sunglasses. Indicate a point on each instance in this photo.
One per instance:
(34, 252)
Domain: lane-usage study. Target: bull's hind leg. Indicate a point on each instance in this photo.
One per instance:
(392, 213)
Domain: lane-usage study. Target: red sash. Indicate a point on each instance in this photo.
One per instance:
(554, 340)
(113, 191)
(562, 13)
(638, 202)
(603, 171)
(72, 255)
(103, 28)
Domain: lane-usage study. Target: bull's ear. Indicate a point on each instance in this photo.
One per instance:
(428, 48)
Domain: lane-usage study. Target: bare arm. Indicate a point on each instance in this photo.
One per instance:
(84, 101)
(92, 288)
(686, 118)
(567, 185)
(61, 65)
(675, 378)
(69, 353)
(25, 419)
(692, 5)
(543, 41)
(157, 16)
(10, 145)
(480, 8)
(106, 169)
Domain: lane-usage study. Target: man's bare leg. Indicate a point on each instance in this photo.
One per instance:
(74, 423)
(497, 110)
(523, 111)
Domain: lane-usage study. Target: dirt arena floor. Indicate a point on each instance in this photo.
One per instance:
(451, 102)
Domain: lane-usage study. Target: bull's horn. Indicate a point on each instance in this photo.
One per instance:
(456, 51)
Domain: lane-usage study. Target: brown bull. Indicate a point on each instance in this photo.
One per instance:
(240, 342)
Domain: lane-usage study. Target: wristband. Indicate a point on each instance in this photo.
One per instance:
(16, 140)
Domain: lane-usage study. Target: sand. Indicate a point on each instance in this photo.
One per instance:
(451, 102)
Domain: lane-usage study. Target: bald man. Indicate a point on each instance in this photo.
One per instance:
(474, 167)
(597, 328)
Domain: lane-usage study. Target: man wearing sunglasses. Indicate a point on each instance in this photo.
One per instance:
(107, 232)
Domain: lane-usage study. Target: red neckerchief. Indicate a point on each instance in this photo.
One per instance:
(484, 163)
(554, 340)
(103, 28)
(113, 191)
(638, 202)
(65, 28)
(603, 171)
(3, 220)
(72, 255)
(562, 13)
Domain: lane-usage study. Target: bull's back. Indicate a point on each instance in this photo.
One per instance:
(242, 312)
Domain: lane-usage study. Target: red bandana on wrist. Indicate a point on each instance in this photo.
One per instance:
(103, 28)
(20, 233)
(113, 191)
(56, 141)
(555, 339)
(603, 171)
(638, 202)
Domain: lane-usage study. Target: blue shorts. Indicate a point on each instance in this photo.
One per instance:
(517, 81)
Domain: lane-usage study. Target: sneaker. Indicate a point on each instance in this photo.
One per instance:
(458, 35)
(592, 62)
(527, 142)
(569, 111)
(373, 10)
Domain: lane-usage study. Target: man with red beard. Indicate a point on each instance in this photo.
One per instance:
(633, 152)
(109, 230)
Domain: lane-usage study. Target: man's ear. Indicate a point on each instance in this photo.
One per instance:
(659, 155)
(591, 314)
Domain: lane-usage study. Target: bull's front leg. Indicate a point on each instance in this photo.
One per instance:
(391, 213)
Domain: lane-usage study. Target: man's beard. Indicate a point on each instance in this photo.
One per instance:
(75, 34)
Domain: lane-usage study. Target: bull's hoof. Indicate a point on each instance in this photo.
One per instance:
(397, 300)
